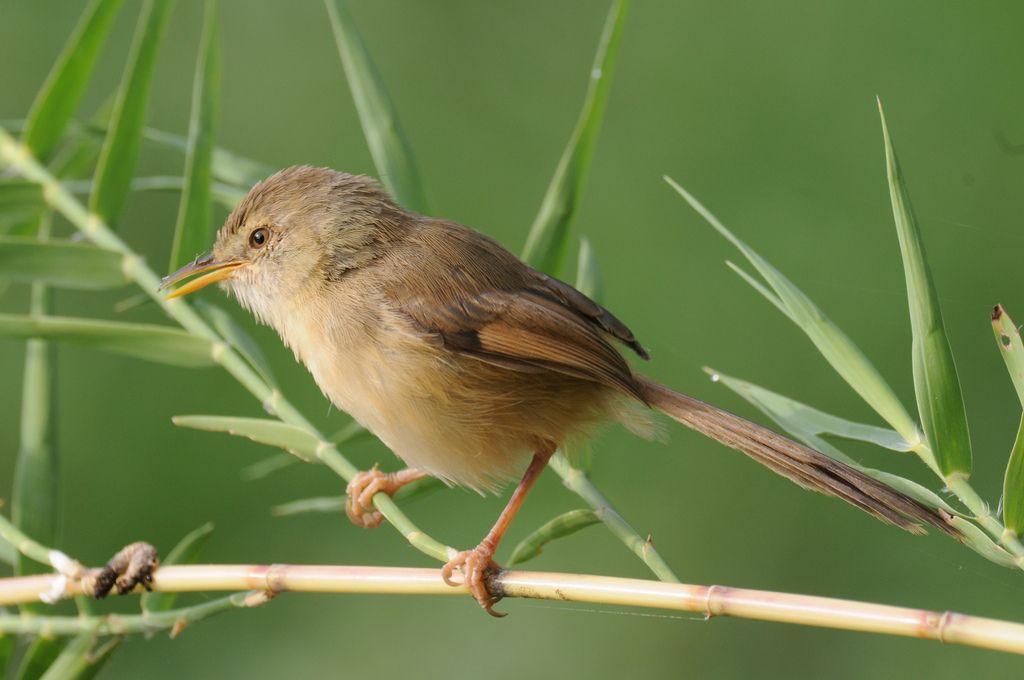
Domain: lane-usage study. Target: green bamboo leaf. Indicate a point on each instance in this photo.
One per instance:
(268, 466)
(837, 348)
(809, 420)
(349, 432)
(317, 504)
(548, 240)
(937, 386)
(39, 656)
(163, 344)
(97, 659)
(193, 233)
(559, 527)
(1012, 348)
(6, 650)
(236, 336)
(59, 263)
(389, 148)
(120, 152)
(20, 198)
(226, 195)
(808, 424)
(588, 273)
(262, 430)
(8, 555)
(73, 659)
(187, 551)
(228, 167)
(35, 502)
(60, 94)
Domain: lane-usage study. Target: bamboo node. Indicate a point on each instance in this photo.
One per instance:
(58, 590)
(709, 608)
(944, 620)
(273, 579)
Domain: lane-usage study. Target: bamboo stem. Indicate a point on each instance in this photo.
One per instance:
(711, 601)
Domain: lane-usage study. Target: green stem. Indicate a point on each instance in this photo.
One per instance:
(577, 482)
(135, 268)
(118, 624)
(34, 502)
(23, 544)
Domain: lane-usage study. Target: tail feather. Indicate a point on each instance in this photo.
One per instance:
(796, 462)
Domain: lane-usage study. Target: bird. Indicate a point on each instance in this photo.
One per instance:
(468, 364)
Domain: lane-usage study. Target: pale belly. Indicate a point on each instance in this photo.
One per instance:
(404, 395)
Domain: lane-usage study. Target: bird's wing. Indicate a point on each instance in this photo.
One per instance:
(481, 301)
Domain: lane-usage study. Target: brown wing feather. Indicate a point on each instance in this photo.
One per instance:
(491, 306)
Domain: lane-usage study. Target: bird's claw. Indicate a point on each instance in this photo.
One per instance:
(132, 566)
(359, 497)
(478, 568)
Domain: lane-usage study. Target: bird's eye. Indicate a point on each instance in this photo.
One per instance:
(258, 237)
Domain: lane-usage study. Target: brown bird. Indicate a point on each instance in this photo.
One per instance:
(467, 363)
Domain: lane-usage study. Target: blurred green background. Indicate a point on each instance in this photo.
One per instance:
(766, 112)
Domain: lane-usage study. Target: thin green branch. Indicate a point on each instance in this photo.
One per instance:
(576, 481)
(174, 620)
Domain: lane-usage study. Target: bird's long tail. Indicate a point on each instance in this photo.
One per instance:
(807, 467)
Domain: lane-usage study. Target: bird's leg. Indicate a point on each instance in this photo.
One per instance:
(133, 565)
(359, 504)
(477, 565)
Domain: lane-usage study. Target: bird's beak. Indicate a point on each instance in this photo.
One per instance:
(212, 271)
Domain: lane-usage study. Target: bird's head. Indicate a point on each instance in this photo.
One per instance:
(300, 228)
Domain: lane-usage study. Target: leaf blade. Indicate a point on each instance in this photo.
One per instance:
(1011, 347)
(193, 232)
(563, 525)
(162, 344)
(834, 345)
(808, 424)
(59, 263)
(292, 439)
(937, 385)
(60, 94)
(548, 240)
(389, 147)
(120, 153)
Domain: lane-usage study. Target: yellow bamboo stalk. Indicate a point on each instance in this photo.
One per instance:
(714, 600)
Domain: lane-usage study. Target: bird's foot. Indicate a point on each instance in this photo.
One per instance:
(132, 566)
(360, 491)
(478, 569)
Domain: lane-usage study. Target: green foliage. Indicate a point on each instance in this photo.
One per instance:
(41, 653)
(391, 151)
(194, 231)
(939, 401)
(837, 348)
(808, 425)
(588, 272)
(144, 341)
(120, 153)
(548, 240)
(1012, 348)
(59, 263)
(241, 341)
(60, 94)
(294, 440)
(564, 525)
